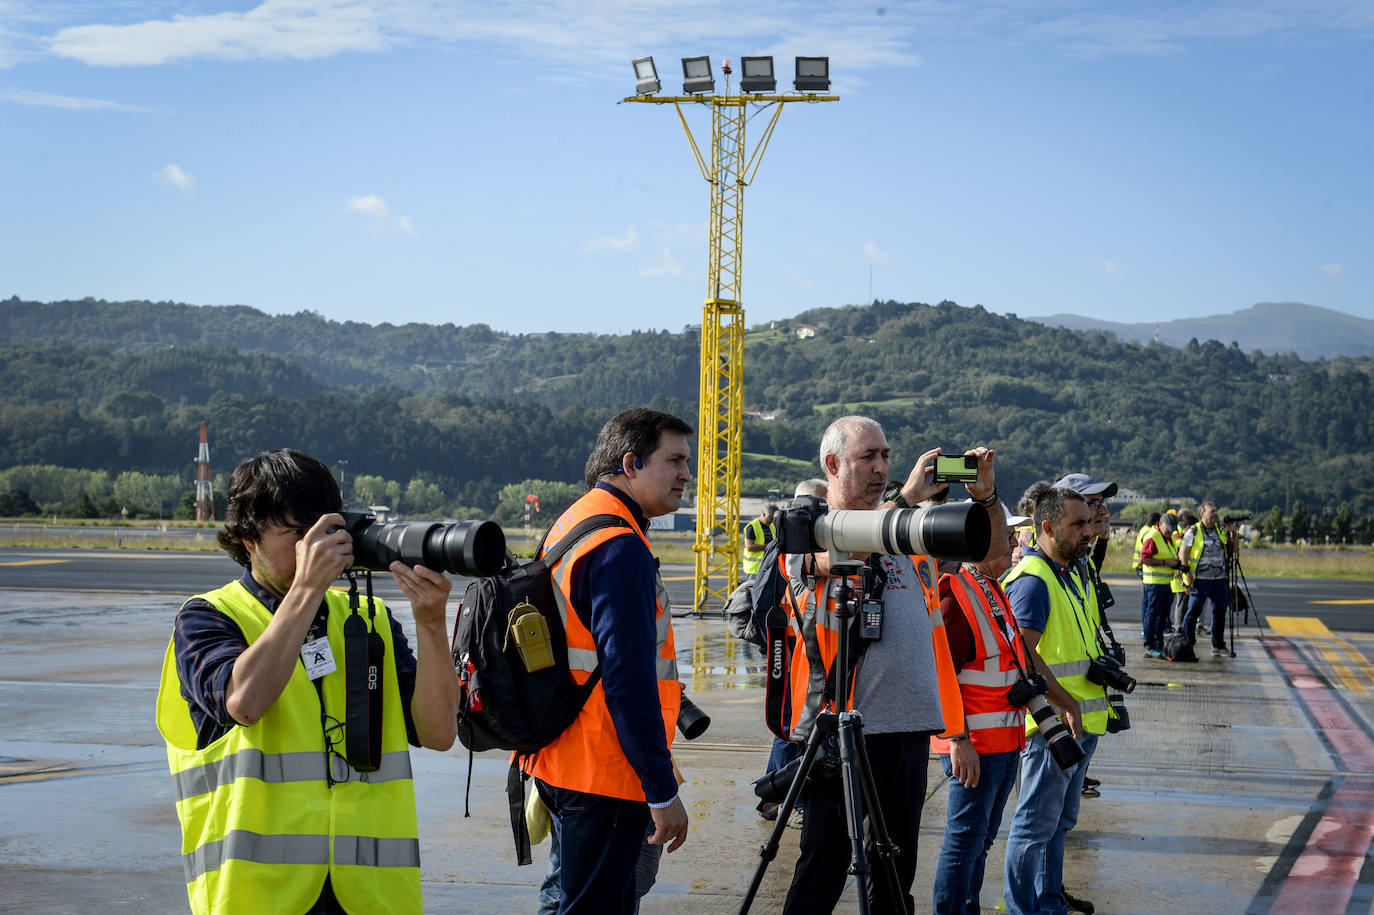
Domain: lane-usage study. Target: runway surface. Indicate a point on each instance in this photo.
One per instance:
(1245, 785)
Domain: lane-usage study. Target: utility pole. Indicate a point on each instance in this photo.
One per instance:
(717, 546)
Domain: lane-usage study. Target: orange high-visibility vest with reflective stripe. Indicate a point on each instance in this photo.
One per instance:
(994, 724)
(587, 756)
(815, 652)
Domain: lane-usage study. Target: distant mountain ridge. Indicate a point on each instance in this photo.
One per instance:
(1309, 331)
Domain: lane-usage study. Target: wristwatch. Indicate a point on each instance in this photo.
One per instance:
(894, 494)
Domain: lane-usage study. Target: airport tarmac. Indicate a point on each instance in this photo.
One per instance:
(1245, 784)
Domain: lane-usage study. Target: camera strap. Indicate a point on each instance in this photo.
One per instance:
(364, 652)
(776, 693)
(1010, 631)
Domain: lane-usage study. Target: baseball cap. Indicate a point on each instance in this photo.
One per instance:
(1085, 485)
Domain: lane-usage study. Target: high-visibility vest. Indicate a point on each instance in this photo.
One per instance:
(261, 825)
(1195, 549)
(587, 756)
(1069, 642)
(994, 724)
(1164, 549)
(752, 562)
(815, 652)
(1176, 584)
(1140, 536)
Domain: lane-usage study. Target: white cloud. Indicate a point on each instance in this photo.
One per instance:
(875, 255)
(173, 176)
(613, 242)
(382, 218)
(1332, 272)
(664, 265)
(69, 102)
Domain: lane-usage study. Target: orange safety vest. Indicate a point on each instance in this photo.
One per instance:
(814, 653)
(587, 756)
(994, 724)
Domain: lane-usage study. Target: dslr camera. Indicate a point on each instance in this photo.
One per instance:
(1029, 693)
(471, 548)
(957, 532)
(1106, 670)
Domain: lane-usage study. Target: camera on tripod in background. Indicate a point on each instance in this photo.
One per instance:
(1029, 693)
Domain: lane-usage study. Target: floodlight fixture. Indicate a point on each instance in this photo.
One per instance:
(813, 74)
(756, 75)
(646, 76)
(696, 75)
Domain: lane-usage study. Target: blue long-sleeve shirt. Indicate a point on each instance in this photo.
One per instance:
(617, 586)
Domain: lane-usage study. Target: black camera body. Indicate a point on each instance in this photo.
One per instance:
(472, 548)
(1106, 670)
(1027, 688)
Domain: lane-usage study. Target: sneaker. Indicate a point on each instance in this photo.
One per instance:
(794, 820)
(1219, 652)
(1075, 904)
(1090, 782)
(768, 810)
(1090, 791)
(1153, 654)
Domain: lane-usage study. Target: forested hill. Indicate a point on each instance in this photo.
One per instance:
(117, 386)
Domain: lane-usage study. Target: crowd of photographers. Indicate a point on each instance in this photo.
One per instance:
(971, 629)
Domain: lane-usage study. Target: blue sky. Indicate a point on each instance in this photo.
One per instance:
(415, 160)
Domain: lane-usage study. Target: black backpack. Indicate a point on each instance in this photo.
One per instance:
(516, 691)
(1178, 648)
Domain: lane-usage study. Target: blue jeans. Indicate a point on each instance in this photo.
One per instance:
(600, 839)
(1045, 812)
(1205, 589)
(646, 873)
(1158, 598)
(972, 817)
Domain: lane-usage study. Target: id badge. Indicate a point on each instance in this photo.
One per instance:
(318, 658)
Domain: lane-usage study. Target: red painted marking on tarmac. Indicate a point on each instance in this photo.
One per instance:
(1323, 877)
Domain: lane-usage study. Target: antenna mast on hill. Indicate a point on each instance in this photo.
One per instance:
(717, 546)
(205, 496)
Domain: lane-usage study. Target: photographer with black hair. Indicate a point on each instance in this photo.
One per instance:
(278, 812)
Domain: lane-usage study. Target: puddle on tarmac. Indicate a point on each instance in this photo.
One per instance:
(710, 658)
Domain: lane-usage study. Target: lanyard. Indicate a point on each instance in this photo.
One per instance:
(1001, 621)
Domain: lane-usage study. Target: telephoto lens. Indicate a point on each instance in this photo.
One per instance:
(691, 720)
(473, 548)
(772, 786)
(1063, 747)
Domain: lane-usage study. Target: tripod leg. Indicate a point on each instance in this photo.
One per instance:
(854, 797)
(883, 845)
(769, 850)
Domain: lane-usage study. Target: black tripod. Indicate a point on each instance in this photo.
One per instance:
(1238, 601)
(860, 792)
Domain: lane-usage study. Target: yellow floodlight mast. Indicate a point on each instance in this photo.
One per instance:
(717, 547)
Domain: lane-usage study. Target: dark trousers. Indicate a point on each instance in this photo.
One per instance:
(1206, 590)
(600, 839)
(899, 763)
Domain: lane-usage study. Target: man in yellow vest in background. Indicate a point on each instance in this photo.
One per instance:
(281, 809)
(608, 780)
(1055, 618)
(757, 534)
(1159, 563)
(1204, 549)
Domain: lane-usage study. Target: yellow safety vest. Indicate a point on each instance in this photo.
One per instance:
(261, 825)
(752, 562)
(1195, 551)
(1164, 549)
(1068, 643)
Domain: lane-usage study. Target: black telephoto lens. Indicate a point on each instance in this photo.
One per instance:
(772, 786)
(691, 720)
(1065, 750)
(472, 548)
(1118, 719)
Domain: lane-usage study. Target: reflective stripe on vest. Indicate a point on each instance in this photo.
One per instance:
(1068, 643)
(994, 725)
(587, 756)
(752, 562)
(256, 806)
(1199, 535)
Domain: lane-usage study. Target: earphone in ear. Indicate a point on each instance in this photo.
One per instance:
(639, 465)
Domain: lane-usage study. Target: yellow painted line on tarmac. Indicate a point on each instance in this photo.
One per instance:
(1345, 603)
(679, 578)
(34, 562)
(1347, 662)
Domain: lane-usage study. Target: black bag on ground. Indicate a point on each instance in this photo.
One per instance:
(1178, 648)
(516, 691)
